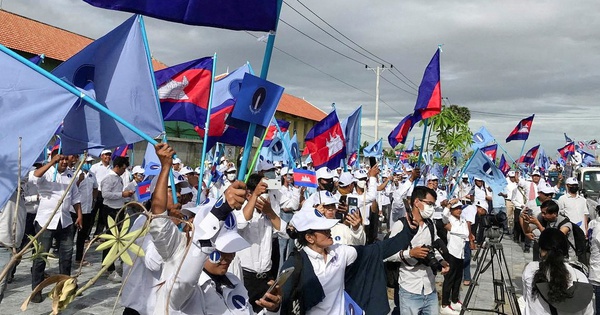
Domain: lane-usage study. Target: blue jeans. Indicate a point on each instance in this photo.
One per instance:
(64, 237)
(467, 263)
(418, 304)
(5, 254)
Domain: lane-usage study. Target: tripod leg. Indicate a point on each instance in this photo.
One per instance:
(474, 280)
(508, 284)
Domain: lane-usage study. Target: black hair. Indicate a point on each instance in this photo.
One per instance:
(253, 181)
(550, 205)
(54, 152)
(552, 267)
(121, 161)
(421, 192)
(300, 236)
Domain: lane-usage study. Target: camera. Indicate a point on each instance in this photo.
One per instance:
(493, 220)
(430, 260)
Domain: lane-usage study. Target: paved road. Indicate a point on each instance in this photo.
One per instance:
(101, 298)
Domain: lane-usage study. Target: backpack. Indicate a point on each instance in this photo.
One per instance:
(580, 247)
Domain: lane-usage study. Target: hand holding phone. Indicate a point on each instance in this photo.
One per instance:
(281, 279)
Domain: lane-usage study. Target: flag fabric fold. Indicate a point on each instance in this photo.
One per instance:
(184, 91)
(529, 157)
(567, 150)
(429, 99)
(503, 165)
(247, 15)
(115, 71)
(481, 166)
(25, 93)
(398, 135)
(351, 128)
(272, 131)
(567, 139)
(481, 138)
(121, 151)
(490, 151)
(326, 143)
(374, 150)
(521, 131)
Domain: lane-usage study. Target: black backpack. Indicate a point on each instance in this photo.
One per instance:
(580, 247)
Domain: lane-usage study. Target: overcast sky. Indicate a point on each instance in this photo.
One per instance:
(504, 60)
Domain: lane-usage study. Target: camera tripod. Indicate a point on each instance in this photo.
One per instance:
(502, 281)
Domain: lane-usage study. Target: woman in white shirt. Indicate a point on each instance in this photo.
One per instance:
(559, 276)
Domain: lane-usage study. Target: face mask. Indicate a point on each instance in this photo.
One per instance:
(86, 167)
(573, 190)
(231, 177)
(361, 184)
(427, 211)
(328, 186)
(289, 178)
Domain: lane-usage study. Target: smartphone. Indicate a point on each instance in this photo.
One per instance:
(352, 205)
(272, 183)
(343, 199)
(281, 278)
(372, 161)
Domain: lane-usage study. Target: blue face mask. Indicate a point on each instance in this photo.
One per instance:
(86, 167)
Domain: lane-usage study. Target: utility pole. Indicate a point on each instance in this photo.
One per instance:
(378, 70)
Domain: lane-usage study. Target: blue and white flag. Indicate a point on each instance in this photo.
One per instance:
(351, 129)
(481, 138)
(375, 149)
(151, 163)
(481, 166)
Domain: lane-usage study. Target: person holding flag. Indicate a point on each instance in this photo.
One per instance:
(100, 170)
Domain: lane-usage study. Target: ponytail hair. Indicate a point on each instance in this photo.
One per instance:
(552, 266)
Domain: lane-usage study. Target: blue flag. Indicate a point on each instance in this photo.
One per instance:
(351, 129)
(350, 306)
(256, 103)
(481, 138)
(294, 149)
(481, 166)
(567, 139)
(375, 149)
(114, 70)
(37, 59)
(411, 145)
(151, 163)
(543, 160)
(25, 98)
(586, 158)
(247, 15)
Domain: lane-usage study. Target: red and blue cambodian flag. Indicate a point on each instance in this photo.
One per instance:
(398, 135)
(429, 99)
(57, 145)
(352, 159)
(121, 151)
(503, 166)
(184, 91)
(326, 143)
(142, 191)
(305, 178)
(567, 150)
(529, 157)
(490, 151)
(284, 125)
(521, 131)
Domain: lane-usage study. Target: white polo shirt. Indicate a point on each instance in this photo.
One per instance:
(100, 171)
(86, 190)
(575, 208)
(330, 272)
(50, 192)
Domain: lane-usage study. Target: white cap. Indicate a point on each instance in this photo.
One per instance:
(231, 168)
(409, 168)
(277, 163)
(178, 178)
(482, 204)
(106, 151)
(456, 205)
(176, 161)
(397, 172)
(324, 173)
(228, 240)
(345, 179)
(465, 176)
(511, 174)
(197, 170)
(359, 174)
(477, 178)
(265, 165)
(572, 181)
(326, 198)
(89, 158)
(287, 171)
(535, 173)
(431, 177)
(186, 190)
(186, 170)
(137, 170)
(546, 189)
(311, 219)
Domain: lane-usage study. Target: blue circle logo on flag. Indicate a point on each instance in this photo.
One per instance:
(258, 100)
(84, 75)
(487, 169)
(215, 257)
(328, 194)
(154, 167)
(238, 301)
(230, 222)
(277, 148)
(478, 137)
(219, 202)
(338, 238)
(234, 87)
(351, 310)
(318, 214)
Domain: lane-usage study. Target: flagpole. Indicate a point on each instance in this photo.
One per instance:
(508, 154)
(206, 127)
(359, 135)
(462, 171)
(252, 128)
(522, 149)
(149, 60)
(422, 142)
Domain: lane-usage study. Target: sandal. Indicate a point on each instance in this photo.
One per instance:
(466, 283)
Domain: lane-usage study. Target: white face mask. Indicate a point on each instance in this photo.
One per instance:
(427, 211)
(361, 184)
(231, 177)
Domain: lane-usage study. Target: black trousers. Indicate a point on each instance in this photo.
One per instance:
(257, 286)
(97, 212)
(82, 235)
(113, 214)
(451, 286)
(372, 229)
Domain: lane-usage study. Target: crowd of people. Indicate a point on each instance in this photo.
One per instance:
(219, 246)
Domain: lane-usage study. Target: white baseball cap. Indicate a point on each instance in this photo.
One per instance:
(137, 170)
(176, 161)
(186, 170)
(324, 173)
(89, 158)
(511, 173)
(265, 165)
(535, 173)
(546, 189)
(482, 204)
(287, 171)
(228, 240)
(106, 151)
(326, 198)
(465, 176)
(311, 219)
(431, 177)
(360, 174)
(572, 181)
(345, 179)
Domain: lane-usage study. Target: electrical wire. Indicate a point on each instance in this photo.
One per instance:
(390, 82)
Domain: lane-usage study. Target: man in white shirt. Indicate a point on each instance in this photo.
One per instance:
(440, 203)
(366, 192)
(507, 194)
(464, 188)
(417, 293)
(351, 231)
(258, 224)
(88, 190)
(573, 205)
(100, 170)
(325, 182)
(52, 181)
(114, 199)
(290, 202)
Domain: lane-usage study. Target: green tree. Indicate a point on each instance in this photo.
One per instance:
(449, 132)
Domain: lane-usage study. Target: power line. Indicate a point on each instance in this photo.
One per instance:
(318, 42)
(402, 74)
(390, 82)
